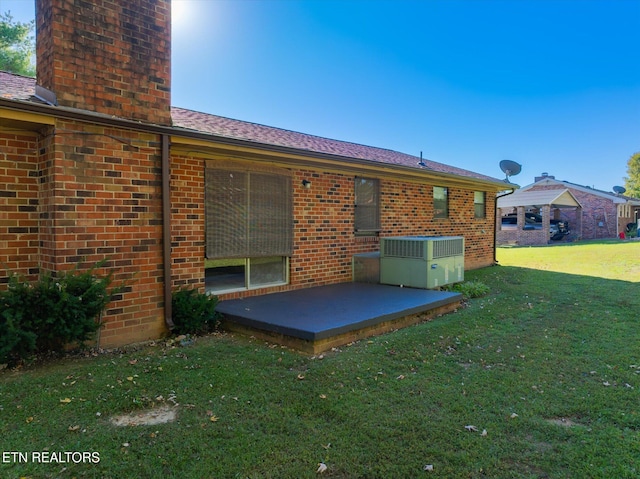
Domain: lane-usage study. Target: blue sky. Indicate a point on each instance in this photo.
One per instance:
(551, 84)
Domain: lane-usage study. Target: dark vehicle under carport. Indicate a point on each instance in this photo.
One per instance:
(558, 229)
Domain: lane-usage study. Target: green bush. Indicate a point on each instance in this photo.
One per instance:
(470, 289)
(51, 313)
(193, 312)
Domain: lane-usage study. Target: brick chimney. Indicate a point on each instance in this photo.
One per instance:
(545, 176)
(107, 56)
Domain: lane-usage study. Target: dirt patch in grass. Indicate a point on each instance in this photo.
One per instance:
(161, 415)
(563, 421)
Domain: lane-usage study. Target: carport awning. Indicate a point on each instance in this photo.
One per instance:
(555, 198)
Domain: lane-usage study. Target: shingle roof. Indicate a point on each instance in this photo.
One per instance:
(253, 132)
(16, 87)
(557, 198)
(615, 197)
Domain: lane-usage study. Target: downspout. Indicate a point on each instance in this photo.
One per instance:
(166, 230)
(495, 229)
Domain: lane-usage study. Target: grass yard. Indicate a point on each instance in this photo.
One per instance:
(538, 379)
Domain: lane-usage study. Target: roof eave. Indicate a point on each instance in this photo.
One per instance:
(209, 142)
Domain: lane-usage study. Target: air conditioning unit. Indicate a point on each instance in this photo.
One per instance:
(422, 261)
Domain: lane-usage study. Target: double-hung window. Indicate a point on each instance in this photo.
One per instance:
(479, 204)
(249, 227)
(367, 206)
(440, 202)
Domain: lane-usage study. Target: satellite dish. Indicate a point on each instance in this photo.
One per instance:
(619, 190)
(510, 168)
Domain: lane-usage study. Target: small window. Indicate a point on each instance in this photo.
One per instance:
(367, 206)
(479, 210)
(440, 202)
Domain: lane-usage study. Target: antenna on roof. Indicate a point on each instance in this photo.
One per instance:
(510, 168)
(620, 190)
(421, 162)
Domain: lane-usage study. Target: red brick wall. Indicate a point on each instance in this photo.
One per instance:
(101, 198)
(19, 191)
(324, 240)
(119, 51)
(187, 222)
(323, 230)
(78, 194)
(81, 193)
(407, 209)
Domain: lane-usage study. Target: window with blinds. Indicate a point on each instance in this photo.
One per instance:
(249, 227)
(367, 206)
(248, 214)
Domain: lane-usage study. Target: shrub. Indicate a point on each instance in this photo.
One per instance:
(470, 289)
(51, 313)
(193, 312)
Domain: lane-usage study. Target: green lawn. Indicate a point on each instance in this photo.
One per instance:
(548, 364)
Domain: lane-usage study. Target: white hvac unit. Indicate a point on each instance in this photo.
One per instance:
(422, 261)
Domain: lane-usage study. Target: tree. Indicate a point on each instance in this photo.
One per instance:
(632, 182)
(17, 46)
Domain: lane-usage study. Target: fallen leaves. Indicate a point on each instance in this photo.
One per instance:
(212, 417)
(472, 428)
(322, 467)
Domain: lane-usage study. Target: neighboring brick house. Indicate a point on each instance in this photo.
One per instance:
(95, 163)
(603, 214)
(600, 214)
(526, 217)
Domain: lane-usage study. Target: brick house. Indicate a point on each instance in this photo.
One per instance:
(525, 217)
(95, 163)
(602, 214)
